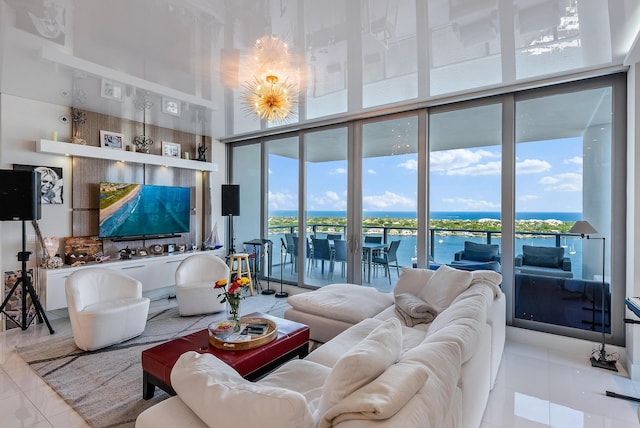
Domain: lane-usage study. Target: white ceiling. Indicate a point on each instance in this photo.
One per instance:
(351, 55)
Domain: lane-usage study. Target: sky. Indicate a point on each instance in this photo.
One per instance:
(548, 179)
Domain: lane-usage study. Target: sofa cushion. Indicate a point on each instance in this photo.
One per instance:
(480, 252)
(336, 301)
(361, 364)
(444, 286)
(412, 280)
(380, 399)
(219, 395)
(542, 256)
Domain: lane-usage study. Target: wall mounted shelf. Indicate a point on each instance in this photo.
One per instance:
(68, 149)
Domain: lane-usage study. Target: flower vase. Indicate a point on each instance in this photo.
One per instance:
(233, 311)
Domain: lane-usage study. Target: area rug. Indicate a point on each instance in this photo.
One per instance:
(105, 386)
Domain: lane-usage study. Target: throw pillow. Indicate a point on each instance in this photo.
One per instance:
(542, 256)
(413, 310)
(219, 395)
(361, 364)
(479, 252)
(444, 286)
(412, 280)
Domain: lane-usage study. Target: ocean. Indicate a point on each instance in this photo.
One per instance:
(440, 215)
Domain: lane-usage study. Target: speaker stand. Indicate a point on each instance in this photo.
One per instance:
(265, 255)
(283, 250)
(232, 248)
(27, 288)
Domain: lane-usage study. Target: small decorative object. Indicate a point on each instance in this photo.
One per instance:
(157, 249)
(142, 143)
(223, 329)
(202, 153)
(142, 252)
(171, 248)
(125, 253)
(111, 140)
(232, 296)
(52, 262)
(78, 118)
(51, 246)
(170, 149)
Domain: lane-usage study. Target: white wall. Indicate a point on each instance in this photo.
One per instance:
(22, 122)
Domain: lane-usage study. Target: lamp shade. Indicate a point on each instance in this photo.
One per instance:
(583, 227)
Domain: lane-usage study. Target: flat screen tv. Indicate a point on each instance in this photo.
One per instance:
(128, 210)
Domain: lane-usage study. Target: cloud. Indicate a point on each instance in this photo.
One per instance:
(489, 168)
(371, 171)
(338, 171)
(567, 182)
(472, 204)
(446, 160)
(327, 200)
(532, 166)
(528, 197)
(282, 201)
(575, 160)
(410, 164)
(388, 200)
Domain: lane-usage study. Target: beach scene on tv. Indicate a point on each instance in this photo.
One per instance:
(142, 210)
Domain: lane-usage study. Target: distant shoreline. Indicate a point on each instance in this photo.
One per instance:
(113, 208)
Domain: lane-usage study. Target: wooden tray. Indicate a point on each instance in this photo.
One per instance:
(254, 342)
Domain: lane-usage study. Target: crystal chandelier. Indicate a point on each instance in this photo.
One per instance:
(270, 95)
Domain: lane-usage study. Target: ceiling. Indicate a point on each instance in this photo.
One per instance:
(182, 64)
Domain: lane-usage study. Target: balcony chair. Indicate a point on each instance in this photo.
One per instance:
(389, 256)
(292, 249)
(320, 251)
(476, 256)
(340, 252)
(195, 278)
(105, 306)
(546, 261)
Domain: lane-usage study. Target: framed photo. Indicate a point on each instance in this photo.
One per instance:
(111, 90)
(51, 183)
(170, 106)
(111, 140)
(170, 149)
(142, 252)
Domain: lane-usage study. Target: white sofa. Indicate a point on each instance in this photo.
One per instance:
(376, 372)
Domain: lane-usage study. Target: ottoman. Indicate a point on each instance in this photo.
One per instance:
(330, 310)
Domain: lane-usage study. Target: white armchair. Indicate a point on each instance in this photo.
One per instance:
(195, 278)
(105, 307)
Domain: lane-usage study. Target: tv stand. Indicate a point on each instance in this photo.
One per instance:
(154, 272)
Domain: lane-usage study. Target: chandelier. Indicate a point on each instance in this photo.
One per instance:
(270, 95)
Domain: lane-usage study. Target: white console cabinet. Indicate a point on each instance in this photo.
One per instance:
(153, 271)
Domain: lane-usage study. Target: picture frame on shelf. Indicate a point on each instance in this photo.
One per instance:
(111, 140)
(170, 149)
(111, 90)
(170, 106)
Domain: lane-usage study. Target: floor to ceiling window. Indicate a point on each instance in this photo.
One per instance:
(563, 174)
(326, 195)
(464, 182)
(539, 160)
(389, 196)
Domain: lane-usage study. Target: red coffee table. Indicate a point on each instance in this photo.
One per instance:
(157, 362)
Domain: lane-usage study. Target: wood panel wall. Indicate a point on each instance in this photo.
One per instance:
(87, 173)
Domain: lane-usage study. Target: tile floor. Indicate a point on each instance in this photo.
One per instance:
(550, 385)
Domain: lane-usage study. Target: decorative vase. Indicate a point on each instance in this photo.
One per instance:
(233, 310)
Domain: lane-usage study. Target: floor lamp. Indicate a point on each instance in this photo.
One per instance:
(599, 359)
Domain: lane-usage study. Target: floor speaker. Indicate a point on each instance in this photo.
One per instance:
(231, 199)
(19, 195)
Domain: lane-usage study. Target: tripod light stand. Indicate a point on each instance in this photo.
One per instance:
(27, 288)
(600, 358)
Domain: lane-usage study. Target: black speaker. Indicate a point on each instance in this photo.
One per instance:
(231, 199)
(19, 195)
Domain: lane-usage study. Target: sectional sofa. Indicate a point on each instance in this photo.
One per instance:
(425, 355)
